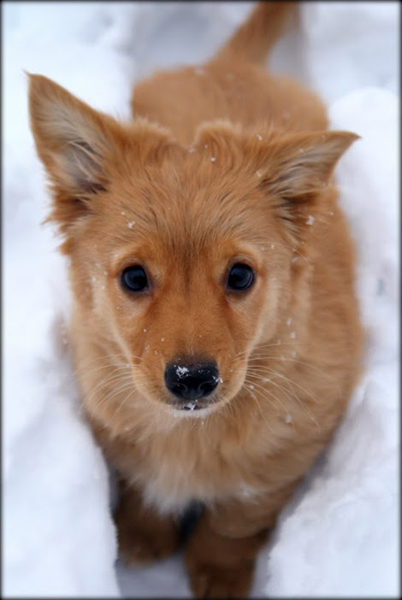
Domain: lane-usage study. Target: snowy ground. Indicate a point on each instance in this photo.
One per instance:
(339, 537)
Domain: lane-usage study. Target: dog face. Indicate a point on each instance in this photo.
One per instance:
(181, 257)
(186, 282)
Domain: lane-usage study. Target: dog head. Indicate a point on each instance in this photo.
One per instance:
(182, 257)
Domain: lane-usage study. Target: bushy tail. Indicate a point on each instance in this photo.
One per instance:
(255, 38)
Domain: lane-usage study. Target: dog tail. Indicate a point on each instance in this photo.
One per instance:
(253, 40)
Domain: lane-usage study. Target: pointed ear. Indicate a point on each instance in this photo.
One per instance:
(301, 164)
(84, 150)
(296, 170)
(73, 140)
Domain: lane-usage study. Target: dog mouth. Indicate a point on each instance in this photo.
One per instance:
(196, 406)
(193, 405)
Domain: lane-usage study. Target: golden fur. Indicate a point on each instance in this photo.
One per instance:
(222, 163)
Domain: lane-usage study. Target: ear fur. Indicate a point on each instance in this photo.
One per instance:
(299, 165)
(296, 170)
(80, 147)
(73, 141)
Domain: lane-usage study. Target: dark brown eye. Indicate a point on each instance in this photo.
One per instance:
(134, 279)
(241, 277)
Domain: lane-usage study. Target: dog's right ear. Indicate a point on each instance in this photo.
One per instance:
(73, 140)
(82, 149)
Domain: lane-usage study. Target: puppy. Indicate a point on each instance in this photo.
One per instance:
(215, 326)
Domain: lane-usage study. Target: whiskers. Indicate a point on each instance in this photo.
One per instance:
(114, 391)
(111, 377)
(255, 376)
(249, 388)
(261, 353)
(270, 386)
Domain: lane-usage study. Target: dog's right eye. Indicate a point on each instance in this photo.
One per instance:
(134, 279)
(241, 278)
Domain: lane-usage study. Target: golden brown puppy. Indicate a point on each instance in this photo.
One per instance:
(215, 325)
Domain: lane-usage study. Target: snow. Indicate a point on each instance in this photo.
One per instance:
(191, 405)
(181, 371)
(339, 536)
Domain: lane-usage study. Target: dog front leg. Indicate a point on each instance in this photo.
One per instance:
(144, 536)
(221, 554)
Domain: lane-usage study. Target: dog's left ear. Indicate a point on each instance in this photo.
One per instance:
(300, 164)
(295, 169)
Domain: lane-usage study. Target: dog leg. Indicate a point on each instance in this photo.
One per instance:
(143, 535)
(218, 566)
(220, 555)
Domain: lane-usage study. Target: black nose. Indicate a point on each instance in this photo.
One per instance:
(191, 382)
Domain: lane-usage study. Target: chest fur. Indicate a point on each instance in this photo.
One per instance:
(189, 462)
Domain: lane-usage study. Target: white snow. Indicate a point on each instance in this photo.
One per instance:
(181, 371)
(288, 418)
(339, 537)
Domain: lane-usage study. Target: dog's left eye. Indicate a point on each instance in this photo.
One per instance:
(241, 277)
(134, 279)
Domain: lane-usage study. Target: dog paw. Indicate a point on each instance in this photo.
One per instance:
(143, 535)
(210, 581)
(136, 547)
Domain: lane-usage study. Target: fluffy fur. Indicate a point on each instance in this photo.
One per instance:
(222, 163)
